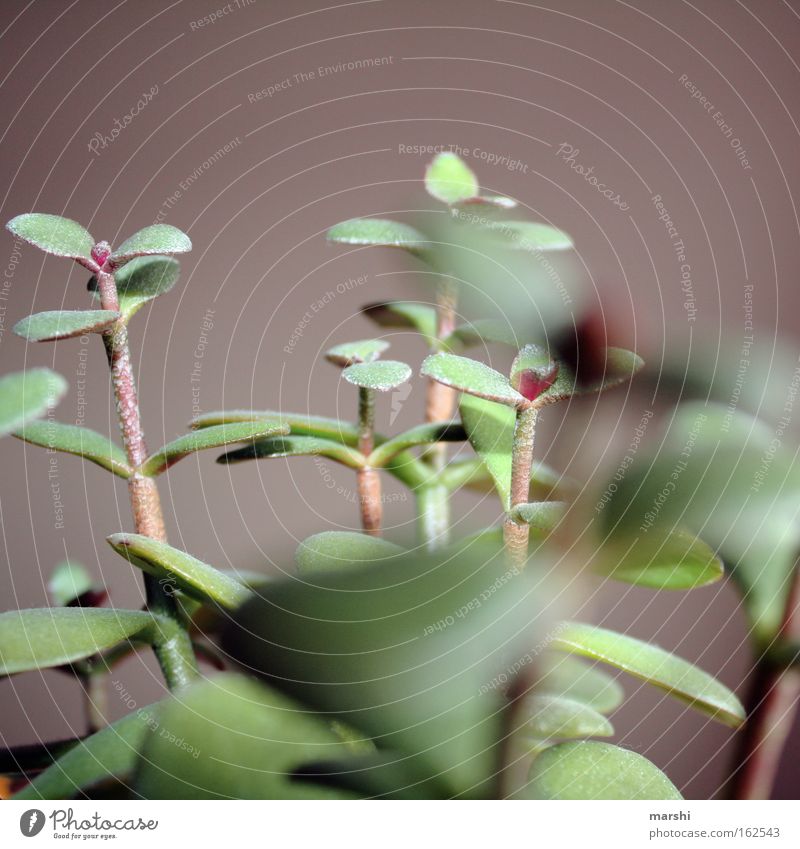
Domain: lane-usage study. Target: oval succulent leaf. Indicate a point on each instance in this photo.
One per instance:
(532, 236)
(472, 377)
(63, 324)
(379, 232)
(53, 234)
(26, 395)
(404, 314)
(540, 515)
(490, 430)
(620, 366)
(180, 570)
(672, 674)
(381, 376)
(545, 717)
(350, 353)
(332, 551)
(483, 331)
(591, 770)
(81, 441)
(45, 637)
(300, 424)
(567, 676)
(296, 446)
(450, 180)
(424, 434)
(155, 239)
(210, 437)
(141, 280)
(68, 582)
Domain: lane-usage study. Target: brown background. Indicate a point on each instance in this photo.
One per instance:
(510, 78)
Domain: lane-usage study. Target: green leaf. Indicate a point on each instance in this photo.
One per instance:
(108, 754)
(69, 581)
(299, 423)
(334, 550)
(296, 446)
(377, 231)
(731, 479)
(497, 201)
(490, 430)
(540, 515)
(81, 441)
(238, 739)
(26, 395)
(210, 437)
(350, 353)
(547, 717)
(63, 324)
(676, 560)
(531, 236)
(654, 665)
(405, 314)
(155, 239)
(620, 367)
(471, 473)
(381, 376)
(449, 180)
(424, 434)
(53, 234)
(141, 280)
(472, 377)
(565, 675)
(179, 570)
(44, 637)
(482, 331)
(590, 770)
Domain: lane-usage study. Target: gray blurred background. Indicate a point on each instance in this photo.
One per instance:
(248, 146)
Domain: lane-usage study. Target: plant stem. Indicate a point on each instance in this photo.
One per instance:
(95, 700)
(369, 482)
(775, 695)
(515, 535)
(148, 517)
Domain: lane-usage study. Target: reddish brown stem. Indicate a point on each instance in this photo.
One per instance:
(515, 535)
(369, 482)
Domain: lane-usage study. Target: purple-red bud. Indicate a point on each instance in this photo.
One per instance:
(533, 382)
(101, 252)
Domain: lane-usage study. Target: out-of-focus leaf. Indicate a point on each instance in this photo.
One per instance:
(490, 430)
(540, 515)
(63, 324)
(498, 201)
(481, 332)
(69, 581)
(238, 740)
(449, 180)
(620, 367)
(377, 231)
(471, 473)
(731, 479)
(299, 423)
(26, 395)
(141, 280)
(81, 441)
(44, 637)
(334, 550)
(672, 674)
(350, 353)
(381, 376)
(179, 570)
(531, 236)
(404, 314)
(549, 717)
(53, 234)
(155, 239)
(424, 434)
(108, 754)
(472, 377)
(664, 561)
(566, 676)
(296, 446)
(210, 437)
(590, 770)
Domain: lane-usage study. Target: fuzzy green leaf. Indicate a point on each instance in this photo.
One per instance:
(381, 376)
(63, 324)
(180, 570)
(404, 314)
(471, 473)
(424, 434)
(548, 717)
(44, 637)
(350, 353)
(53, 234)
(141, 280)
(490, 430)
(540, 515)
(210, 437)
(472, 377)
(69, 581)
(155, 239)
(565, 675)
(654, 665)
(620, 367)
(449, 180)
(239, 739)
(26, 395)
(296, 446)
(299, 423)
(81, 441)
(591, 770)
(664, 561)
(377, 231)
(333, 550)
